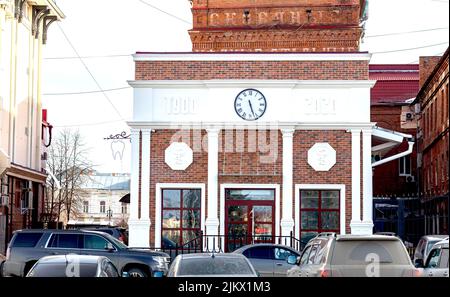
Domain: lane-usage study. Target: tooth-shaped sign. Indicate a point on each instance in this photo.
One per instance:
(117, 149)
(179, 156)
(321, 157)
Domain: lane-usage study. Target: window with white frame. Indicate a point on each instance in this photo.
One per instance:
(405, 165)
(85, 206)
(124, 208)
(102, 207)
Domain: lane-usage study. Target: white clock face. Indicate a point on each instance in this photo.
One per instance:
(250, 104)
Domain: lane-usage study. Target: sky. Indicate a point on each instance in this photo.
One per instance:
(104, 33)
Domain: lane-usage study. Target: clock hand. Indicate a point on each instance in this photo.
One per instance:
(251, 108)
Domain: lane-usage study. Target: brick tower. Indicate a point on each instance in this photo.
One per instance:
(277, 25)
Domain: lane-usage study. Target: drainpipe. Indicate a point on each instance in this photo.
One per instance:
(397, 156)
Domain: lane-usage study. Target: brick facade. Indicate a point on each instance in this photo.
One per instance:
(312, 26)
(277, 70)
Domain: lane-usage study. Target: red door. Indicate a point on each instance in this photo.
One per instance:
(249, 220)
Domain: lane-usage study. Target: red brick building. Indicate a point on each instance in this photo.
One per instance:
(433, 137)
(262, 132)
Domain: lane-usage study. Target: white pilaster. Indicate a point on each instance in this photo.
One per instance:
(212, 222)
(287, 221)
(367, 223)
(356, 181)
(145, 187)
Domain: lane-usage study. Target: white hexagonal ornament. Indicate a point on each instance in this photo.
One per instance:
(321, 156)
(178, 156)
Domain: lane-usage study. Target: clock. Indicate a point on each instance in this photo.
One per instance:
(250, 104)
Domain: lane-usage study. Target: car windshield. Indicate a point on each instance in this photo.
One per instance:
(63, 270)
(362, 252)
(214, 266)
(430, 244)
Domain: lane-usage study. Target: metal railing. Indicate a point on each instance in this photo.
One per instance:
(228, 243)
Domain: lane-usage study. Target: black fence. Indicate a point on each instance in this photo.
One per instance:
(228, 243)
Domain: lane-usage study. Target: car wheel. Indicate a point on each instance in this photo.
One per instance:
(137, 272)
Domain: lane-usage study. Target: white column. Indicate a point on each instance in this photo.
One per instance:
(212, 221)
(367, 222)
(356, 182)
(139, 227)
(287, 221)
(133, 221)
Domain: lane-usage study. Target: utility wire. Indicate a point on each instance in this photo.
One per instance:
(85, 92)
(90, 57)
(409, 49)
(87, 124)
(164, 12)
(90, 73)
(407, 32)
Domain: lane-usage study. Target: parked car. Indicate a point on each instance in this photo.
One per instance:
(73, 266)
(353, 256)
(436, 265)
(116, 232)
(28, 246)
(211, 265)
(269, 259)
(424, 247)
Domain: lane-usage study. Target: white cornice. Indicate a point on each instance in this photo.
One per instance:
(251, 126)
(254, 83)
(189, 56)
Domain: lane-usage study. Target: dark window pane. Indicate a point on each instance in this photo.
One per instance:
(67, 241)
(26, 239)
(329, 220)
(171, 236)
(236, 230)
(261, 253)
(237, 213)
(171, 198)
(310, 220)
(309, 199)
(191, 219)
(306, 236)
(190, 236)
(49, 270)
(250, 194)
(94, 242)
(171, 219)
(330, 199)
(192, 199)
(262, 213)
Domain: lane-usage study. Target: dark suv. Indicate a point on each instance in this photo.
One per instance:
(28, 246)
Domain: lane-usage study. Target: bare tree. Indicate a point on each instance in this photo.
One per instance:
(67, 161)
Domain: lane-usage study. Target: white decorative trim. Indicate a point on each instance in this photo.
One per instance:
(250, 126)
(189, 56)
(260, 83)
(299, 187)
(158, 205)
(223, 187)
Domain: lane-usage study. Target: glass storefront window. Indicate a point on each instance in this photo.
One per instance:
(181, 215)
(250, 194)
(319, 212)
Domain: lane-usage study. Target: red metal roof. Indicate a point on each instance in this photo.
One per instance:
(395, 83)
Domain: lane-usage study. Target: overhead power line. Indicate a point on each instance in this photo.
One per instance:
(164, 12)
(409, 49)
(90, 73)
(406, 32)
(90, 57)
(87, 124)
(85, 92)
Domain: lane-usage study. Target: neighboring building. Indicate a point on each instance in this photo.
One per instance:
(253, 137)
(100, 203)
(23, 126)
(396, 203)
(433, 103)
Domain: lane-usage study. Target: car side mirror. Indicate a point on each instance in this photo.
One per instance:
(125, 274)
(419, 263)
(292, 260)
